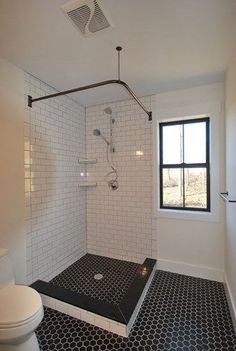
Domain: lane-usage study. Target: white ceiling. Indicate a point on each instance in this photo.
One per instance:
(168, 44)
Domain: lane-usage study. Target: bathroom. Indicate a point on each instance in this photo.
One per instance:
(83, 221)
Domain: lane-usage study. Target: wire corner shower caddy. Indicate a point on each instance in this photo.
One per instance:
(95, 85)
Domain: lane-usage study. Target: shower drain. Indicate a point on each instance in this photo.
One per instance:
(98, 276)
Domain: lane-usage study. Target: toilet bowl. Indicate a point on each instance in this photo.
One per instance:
(21, 311)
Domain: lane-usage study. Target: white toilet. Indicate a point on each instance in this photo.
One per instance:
(21, 311)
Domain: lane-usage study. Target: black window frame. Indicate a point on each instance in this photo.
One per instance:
(184, 165)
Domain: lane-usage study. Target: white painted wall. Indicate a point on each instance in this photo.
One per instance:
(12, 234)
(192, 243)
(230, 239)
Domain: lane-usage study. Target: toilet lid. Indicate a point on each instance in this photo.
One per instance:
(17, 304)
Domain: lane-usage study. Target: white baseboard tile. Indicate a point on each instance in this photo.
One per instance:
(231, 303)
(191, 270)
(83, 315)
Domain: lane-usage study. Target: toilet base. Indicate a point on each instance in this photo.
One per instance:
(30, 344)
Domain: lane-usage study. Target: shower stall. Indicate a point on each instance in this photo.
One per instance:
(106, 285)
(90, 250)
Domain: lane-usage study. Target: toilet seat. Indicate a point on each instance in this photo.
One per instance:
(22, 323)
(19, 304)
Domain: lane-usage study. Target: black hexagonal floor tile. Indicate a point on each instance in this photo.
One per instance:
(180, 313)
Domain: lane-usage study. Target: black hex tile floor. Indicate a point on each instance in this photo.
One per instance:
(117, 277)
(179, 313)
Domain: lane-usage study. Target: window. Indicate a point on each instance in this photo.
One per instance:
(184, 165)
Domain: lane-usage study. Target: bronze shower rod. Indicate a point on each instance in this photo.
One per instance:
(91, 86)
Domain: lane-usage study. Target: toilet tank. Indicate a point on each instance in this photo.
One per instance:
(6, 272)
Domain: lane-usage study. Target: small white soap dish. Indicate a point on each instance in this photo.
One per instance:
(87, 160)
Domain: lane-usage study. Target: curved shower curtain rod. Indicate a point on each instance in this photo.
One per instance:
(95, 85)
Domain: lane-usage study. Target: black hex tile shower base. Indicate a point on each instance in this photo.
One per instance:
(80, 277)
(116, 296)
(179, 313)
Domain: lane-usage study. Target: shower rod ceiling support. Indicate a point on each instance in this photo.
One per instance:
(95, 85)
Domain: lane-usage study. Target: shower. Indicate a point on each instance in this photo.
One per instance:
(112, 176)
(97, 132)
(108, 110)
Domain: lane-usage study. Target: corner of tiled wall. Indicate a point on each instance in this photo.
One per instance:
(119, 223)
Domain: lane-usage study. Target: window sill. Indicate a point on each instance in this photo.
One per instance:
(186, 215)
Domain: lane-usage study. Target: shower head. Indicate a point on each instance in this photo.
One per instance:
(97, 132)
(108, 110)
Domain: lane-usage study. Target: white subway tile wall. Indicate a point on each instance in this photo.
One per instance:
(119, 223)
(55, 206)
(58, 212)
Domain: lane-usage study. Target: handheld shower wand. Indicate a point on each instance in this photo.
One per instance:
(97, 132)
(108, 111)
(112, 176)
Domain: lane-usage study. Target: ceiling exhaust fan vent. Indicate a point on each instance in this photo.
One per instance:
(87, 15)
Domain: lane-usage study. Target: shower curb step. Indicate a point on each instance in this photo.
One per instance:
(118, 319)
